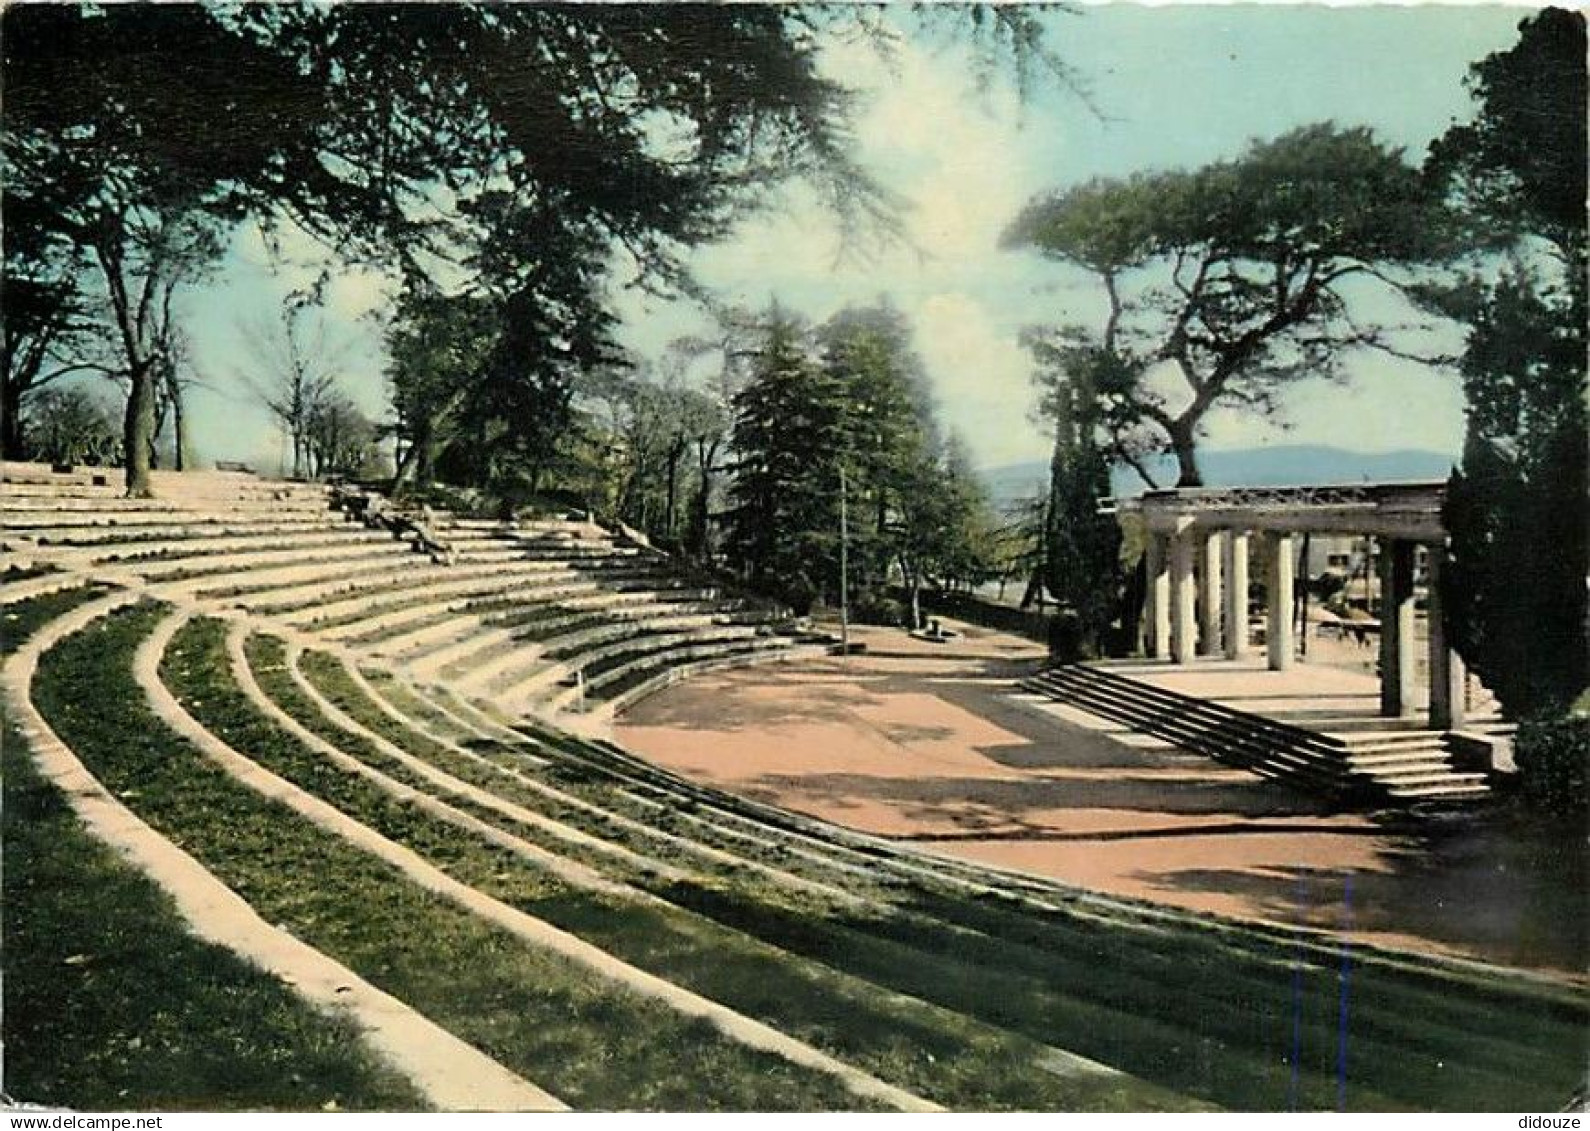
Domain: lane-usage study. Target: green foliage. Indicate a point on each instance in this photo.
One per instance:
(1518, 609)
(341, 440)
(124, 170)
(784, 519)
(947, 532)
(46, 315)
(1553, 757)
(481, 398)
(1236, 274)
(653, 451)
(518, 139)
(1524, 156)
(105, 1017)
(70, 424)
(861, 411)
(1081, 550)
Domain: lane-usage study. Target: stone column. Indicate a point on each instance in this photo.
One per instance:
(1157, 603)
(1446, 666)
(1211, 601)
(1396, 628)
(1234, 547)
(1183, 597)
(1278, 630)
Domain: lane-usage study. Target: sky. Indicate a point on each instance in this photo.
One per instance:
(1166, 87)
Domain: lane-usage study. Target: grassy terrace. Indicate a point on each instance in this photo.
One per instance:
(651, 645)
(950, 1058)
(1213, 1011)
(23, 573)
(166, 538)
(1439, 981)
(503, 781)
(457, 601)
(487, 596)
(1215, 977)
(613, 688)
(551, 619)
(111, 1003)
(914, 971)
(602, 634)
(341, 573)
(389, 587)
(570, 1031)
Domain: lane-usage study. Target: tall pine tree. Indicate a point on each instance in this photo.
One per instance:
(1081, 561)
(783, 522)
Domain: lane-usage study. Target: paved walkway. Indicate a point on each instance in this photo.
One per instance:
(931, 744)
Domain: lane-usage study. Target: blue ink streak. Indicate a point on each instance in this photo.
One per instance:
(1346, 986)
(1297, 994)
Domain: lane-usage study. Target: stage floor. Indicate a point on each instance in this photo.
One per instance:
(1338, 694)
(935, 746)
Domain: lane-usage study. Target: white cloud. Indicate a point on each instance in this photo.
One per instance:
(355, 294)
(959, 164)
(982, 377)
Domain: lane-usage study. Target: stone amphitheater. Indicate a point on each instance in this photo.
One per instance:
(365, 756)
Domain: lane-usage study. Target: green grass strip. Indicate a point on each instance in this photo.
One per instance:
(21, 619)
(949, 1058)
(1419, 986)
(23, 573)
(330, 679)
(1432, 1041)
(590, 1043)
(934, 955)
(112, 1004)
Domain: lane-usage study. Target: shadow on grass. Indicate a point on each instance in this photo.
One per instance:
(1499, 888)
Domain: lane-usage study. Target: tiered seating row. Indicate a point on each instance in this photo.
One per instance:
(782, 920)
(547, 615)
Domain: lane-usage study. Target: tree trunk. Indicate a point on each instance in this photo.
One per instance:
(699, 535)
(1033, 593)
(179, 429)
(913, 578)
(673, 490)
(1186, 449)
(138, 431)
(414, 466)
(11, 438)
(159, 427)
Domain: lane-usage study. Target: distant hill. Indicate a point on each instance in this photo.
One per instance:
(1246, 467)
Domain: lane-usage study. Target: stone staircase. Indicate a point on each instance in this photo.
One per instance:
(1410, 769)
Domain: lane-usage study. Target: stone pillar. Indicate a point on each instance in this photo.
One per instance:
(1183, 597)
(1279, 630)
(1446, 666)
(1396, 628)
(1157, 603)
(1211, 603)
(1234, 548)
